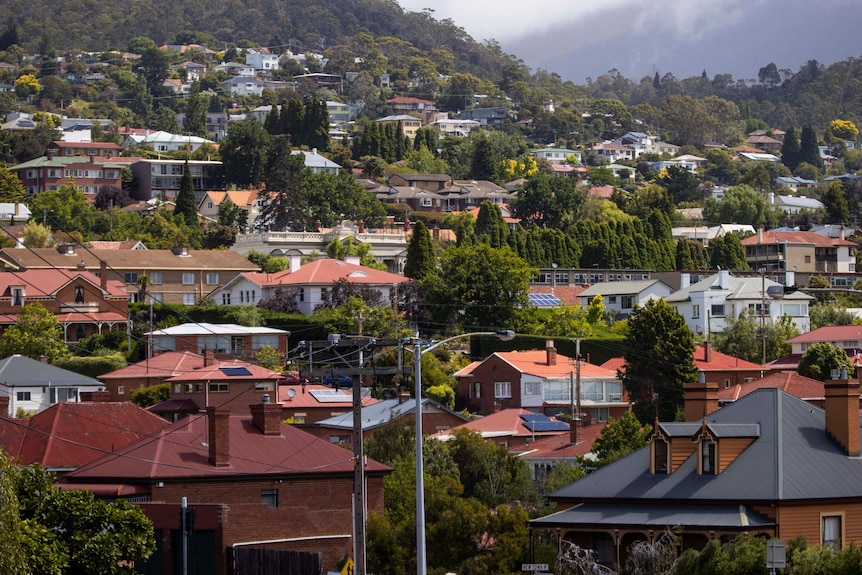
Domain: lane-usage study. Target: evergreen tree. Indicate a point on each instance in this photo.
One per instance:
(273, 122)
(285, 201)
(292, 122)
(790, 149)
(835, 202)
(484, 164)
(421, 261)
(728, 253)
(490, 226)
(196, 112)
(809, 152)
(186, 205)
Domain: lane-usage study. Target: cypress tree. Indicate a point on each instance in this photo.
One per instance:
(273, 122)
(790, 149)
(490, 226)
(421, 262)
(809, 152)
(186, 206)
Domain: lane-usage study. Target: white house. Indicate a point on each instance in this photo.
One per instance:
(455, 127)
(707, 304)
(165, 141)
(262, 61)
(622, 297)
(556, 155)
(318, 164)
(243, 86)
(34, 386)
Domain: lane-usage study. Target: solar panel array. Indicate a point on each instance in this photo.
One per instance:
(544, 300)
(329, 396)
(234, 371)
(539, 422)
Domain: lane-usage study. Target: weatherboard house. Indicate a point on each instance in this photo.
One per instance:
(767, 464)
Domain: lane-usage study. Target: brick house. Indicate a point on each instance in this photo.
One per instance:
(151, 371)
(102, 149)
(539, 381)
(312, 403)
(803, 252)
(764, 465)
(83, 303)
(53, 171)
(218, 339)
(172, 276)
(255, 481)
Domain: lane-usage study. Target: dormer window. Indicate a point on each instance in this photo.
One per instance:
(17, 296)
(660, 454)
(707, 457)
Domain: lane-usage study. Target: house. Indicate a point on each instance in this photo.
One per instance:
(622, 297)
(308, 283)
(759, 157)
(429, 182)
(151, 371)
(101, 149)
(161, 141)
(14, 212)
(464, 195)
(247, 200)
(329, 81)
(339, 428)
(83, 303)
(800, 251)
(67, 435)
(613, 152)
(846, 337)
(33, 386)
(805, 388)
(485, 116)
(570, 448)
(261, 61)
(243, 85)
(409, 124)
(339, 114)
(707, 304)
(764, 142)
(312, 403)
(403, 105)
(707, 234)
(236, 69)
(765, 465)
(254, 482)
(160, 178)
(51, 172)
(318, 164)
(794, 183)
(515, 429)
(226, 339)
(416, 199)
(454, 127)
(170, 276)
(540, 381)
(557, 155)
(795, 204)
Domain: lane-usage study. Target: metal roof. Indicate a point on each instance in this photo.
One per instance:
(658, 516)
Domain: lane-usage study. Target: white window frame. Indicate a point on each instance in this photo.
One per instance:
(502, 390)
(156, 278)
(189, 299)
(212, 278)
(188, 278)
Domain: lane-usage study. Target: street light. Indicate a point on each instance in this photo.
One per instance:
(504, 335)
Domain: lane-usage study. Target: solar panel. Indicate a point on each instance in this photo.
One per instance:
(329, 396)
(544, 299)
(542, 426)
(234, 371)
(534, 417)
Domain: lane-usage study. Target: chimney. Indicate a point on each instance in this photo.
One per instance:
(361, 226)
(684, 280)
(701, 398)
(724, 279)
(295, 263)
(842, 412)
(209, 357)
(575, 427)
(550, 352)
(4, 406)
(218, 422)
(707, 352)
(760, 234)
(790, 277)
(841, 233)
(81, 266)
(96, 396)
(352, 260)
(266, 416)
(403, 395)
(103, 274)
(435, 232)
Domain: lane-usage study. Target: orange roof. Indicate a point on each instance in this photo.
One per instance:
(222, 370)
(719, 361)
(818, 240)
(789, 382)
(47, 282)
(503, 423)
(830, 333)
(324, 272)
(560, 446)
(306, 396)
(159, 366)
(569, 295)
(535, 362)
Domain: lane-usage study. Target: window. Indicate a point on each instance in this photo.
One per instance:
(17, 296)
(22, 395)
(612, 299)
(212, 279)
(301, 295)
(189, 299)
(269, 497)
(61, 394)
(121, 390)
(156, 278)
(533, 388)
(225, 298)
(337, 439)
(660, 456)
(219, 387)
(831, 528)
(299, 417)
(502, 389)
(178, 388)
(188, 278)
(717, 310)
(627, 301)
(156, 297)
(263, 386)
(707, 457)
(425, 202)
(695, 312)
(808, 259)
(263, 340)
(476, 389)
(131, 277)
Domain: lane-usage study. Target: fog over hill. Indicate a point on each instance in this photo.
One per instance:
(587, 38)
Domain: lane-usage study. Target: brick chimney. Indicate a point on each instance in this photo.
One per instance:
(218, 422)
(96, 396)
(701, 398)
(842, 412)
(209, 357)
(403, 395)
(575, 427)
(4, 406)
(707, 352)
(266, 416)
(550, 352)
(103, 274)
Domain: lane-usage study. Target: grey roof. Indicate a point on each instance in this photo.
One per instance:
(620, 288)
(19, 370)
(382, 413)
(792, 459)
(745, 288)
(659, 516)
(225, 329)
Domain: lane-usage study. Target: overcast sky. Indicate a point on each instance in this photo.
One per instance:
(586, 38)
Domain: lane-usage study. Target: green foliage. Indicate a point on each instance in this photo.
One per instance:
(11, 188)
(742, 337)
(269, 357)
(13, 535)
(421, 261)
(92, 366)
(442, 394)
(65, 209)
(36, 333)
(151, 395)
(741, 205)
(821, 358)
(491, 228)
(244, 151)
(186, 206)
(620, 437)
(596, 310)
(268, 263)
(728, 253)
(659, 351)
(823, 314)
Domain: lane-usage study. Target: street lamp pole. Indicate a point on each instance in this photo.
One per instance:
(763, 312)
(504, 335)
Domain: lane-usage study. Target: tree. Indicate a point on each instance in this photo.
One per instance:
(687, 120)
(14, 558)
(620, 437)
(484, 284)
(790, 149)
(741, 204)
(37, 235)
(809, 151)
(680, 183)
(728, 253)
(596, 310)
(835, 202)
(421, 261)
(742, 337)
(284, 198)
(197, 106)
(659, 354)
(491, 228)
(11, 188)
(232, 215)
(821, 358)
(186, 206)
(36, 333)
(147, 396)
(844, 130)
(244, 152)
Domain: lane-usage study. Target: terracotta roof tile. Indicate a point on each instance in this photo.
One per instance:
(159, 366)
(790, 382)
(560, 446)
(818, 240)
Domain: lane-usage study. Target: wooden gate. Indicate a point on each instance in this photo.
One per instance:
(256, 561)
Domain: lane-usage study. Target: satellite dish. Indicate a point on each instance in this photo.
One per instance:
(291, 393)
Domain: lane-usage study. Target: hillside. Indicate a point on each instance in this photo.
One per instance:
(301, 25)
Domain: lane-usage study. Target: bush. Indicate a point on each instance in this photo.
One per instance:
(93, 366)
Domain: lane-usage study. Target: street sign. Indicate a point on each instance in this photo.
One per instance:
(776, 554)
(348, 568)
(534, 566)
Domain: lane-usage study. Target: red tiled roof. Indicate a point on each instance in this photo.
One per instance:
(561, 447)
(181, 451)
(789, 382)
(69, 435)
(720, 362)
(92, 145)
(774, 237)
(569, 295)
(615, 364)
(601, 192)
(535, 362)
(830, 333)
(304, 397)
(504, 423)
(214, 372)
(324, 272)
(163, 365)
(407, 100)
(47, 282)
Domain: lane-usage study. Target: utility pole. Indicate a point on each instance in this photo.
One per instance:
(763, 312)
(576, 399)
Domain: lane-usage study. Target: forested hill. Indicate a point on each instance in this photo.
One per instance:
(302, 25)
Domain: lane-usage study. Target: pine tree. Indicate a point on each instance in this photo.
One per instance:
(186, 206)
(790, 149)
(273, 124)
(809, 152)
(421, 262)
(490, 226)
